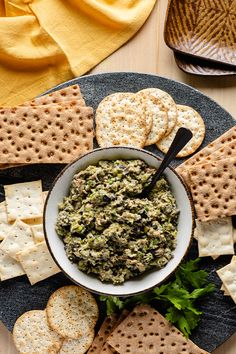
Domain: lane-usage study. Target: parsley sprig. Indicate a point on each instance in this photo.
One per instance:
(177, 298)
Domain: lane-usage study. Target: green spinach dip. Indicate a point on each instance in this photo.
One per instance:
(108, 231)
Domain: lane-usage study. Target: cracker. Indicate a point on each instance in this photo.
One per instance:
(191, 119)
(228, 137)
(77, 346)
(45, 134)
(31, 334)
(213, 188)
(37, 262)
(228, 276)
(215, 237)
(146, 331)
(18, 238)
(69, 93)
(156, 110)
(120, 120)
(5, 227)
(38, 233)
(9, 267)
(168, 103)
(223, 288)
(24, 200)
(72, 311)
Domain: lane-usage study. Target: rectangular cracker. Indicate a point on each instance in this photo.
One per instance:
(227, 275)
(228, 137)
(142, 330)
(38, 233)
(4, 225)
(37, 262)
(69, 93)
(9, 267)
(24, 200)
(18, 238)
(213, 187)
(45, 134)
(215, 237)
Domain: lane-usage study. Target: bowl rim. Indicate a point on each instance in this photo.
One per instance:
(112, 148)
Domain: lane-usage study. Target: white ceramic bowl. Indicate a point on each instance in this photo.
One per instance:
(60, 188)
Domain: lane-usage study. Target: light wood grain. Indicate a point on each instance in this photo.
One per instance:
(147, 53)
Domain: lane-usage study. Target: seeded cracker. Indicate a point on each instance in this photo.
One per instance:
(145, 331)
(213, 187)
(37, 262)
(4, 225)
(72, 311)
(31, 334)
(24, 200)
(9, 267)
(187, 118)
(18, 238)
(120, 120)
(168, 103)
(155, 109)
(215, 237)
(77, 346)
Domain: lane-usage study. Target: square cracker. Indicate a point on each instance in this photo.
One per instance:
(19, 237)
(228, 137)
(9, 267)
(38, 233)
(213, 187)
(140, 333)
(24, 200)
(215, 237)
(228, 276)
(4, 225)
(37, 262)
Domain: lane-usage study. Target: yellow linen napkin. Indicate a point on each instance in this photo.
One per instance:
(45, 42)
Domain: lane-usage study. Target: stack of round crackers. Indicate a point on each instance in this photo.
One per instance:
(66, 326)
(147, 117)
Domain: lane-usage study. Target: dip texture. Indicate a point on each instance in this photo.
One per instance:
(109, 232)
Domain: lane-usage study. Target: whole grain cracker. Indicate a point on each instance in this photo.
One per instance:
(156, 110)
(215, 237)
(228, 137)
(37, 262)
(120, 120)
(77, 346)
(168, 103)
(9, 267)
(24, 200)
(72, 311)
(213, 188)
(45, 134)
(18, 238)
(31, 334)
(69, 93)
(5, 227)
(228, 276)
(38, 233)
(191, 119)
(146, 331)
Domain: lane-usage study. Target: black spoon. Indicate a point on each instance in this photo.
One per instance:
(181, 138)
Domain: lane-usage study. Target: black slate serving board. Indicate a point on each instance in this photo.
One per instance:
(18, 296)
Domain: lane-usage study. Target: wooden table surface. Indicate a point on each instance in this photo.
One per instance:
(147, 53)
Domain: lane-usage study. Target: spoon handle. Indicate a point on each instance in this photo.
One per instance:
(181, 138)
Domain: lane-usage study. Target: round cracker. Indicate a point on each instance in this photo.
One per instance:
(168, 103)
(155, 109)
(191, 119)
(31, 334)
(72, 311)
(77, 346)
(120, 120)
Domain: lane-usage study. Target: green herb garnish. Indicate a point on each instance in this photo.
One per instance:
(177, 297)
